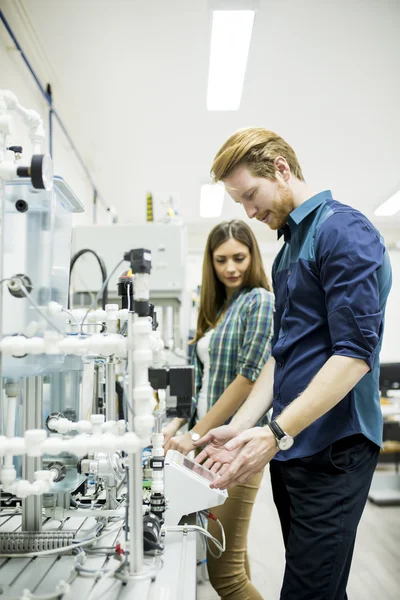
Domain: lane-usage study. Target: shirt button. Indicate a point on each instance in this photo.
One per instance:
(289, 273)
(280, 365)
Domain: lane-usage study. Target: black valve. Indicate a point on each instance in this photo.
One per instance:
(15, 149)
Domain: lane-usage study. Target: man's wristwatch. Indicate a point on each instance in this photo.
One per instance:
(284, 441)
(195, 436)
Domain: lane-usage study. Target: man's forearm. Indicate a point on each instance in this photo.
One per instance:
(259, 401)
(330, 385)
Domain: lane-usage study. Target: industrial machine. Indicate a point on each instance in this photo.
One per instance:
(82, 403)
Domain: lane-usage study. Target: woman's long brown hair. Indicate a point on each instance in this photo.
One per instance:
(213, 296)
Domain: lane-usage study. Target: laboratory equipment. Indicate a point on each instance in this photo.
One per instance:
(70, 448)
(187, 486)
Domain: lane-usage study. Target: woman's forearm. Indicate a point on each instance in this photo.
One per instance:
(232, 398)
(259, 401)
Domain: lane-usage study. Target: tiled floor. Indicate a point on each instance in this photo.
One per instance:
(376, 565)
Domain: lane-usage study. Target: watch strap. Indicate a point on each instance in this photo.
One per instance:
(276, 430)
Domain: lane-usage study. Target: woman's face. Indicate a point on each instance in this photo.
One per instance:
(231, 261)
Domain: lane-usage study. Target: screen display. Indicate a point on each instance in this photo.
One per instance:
(197, 468)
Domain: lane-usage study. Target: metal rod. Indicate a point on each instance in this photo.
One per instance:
(50, 101)
(2, 200)
(135, 519)
(33, 414)
(111, 497)
(111, 406)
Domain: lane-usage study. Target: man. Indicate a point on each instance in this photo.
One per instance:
(331, 281)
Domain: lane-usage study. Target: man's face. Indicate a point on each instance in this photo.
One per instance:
(268, 201)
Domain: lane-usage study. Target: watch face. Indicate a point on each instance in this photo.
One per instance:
(195, 437)
(286, 442)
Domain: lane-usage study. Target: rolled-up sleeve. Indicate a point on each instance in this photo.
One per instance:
(348, 256)
(256, 347)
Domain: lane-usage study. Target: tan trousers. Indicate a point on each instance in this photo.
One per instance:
(230, 574)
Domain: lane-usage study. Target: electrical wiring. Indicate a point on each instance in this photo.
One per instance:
(129, 296)
(71, 316)
(209, 515)
(106, 574)
(62, 589)
(102, 269)
(100, 292)
(100, 572)
(149, 574)
(31, 300)
(185, 528)
(203, 539)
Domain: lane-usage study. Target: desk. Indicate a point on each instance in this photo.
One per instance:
(385, 486)
(176, 579)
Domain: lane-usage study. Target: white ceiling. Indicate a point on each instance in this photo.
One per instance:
(130, 76)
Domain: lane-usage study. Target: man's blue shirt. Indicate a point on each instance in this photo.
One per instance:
(331, 281)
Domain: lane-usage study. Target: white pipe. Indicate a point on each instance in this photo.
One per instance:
(35, 444)
(22, 488)
(86, 404)
(30, 118)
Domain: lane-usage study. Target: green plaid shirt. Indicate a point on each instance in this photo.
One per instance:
(239, 345)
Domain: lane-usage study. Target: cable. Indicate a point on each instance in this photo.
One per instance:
(31, 300)
(102, 269)
(101, 291)
(129, 297)
(69, 313)
(150, 574)
(202, 531)
(105, 575)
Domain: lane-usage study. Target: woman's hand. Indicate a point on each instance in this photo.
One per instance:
(170, 431)
(182, 443)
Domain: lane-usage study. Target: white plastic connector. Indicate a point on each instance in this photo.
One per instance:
(144, 426)
(97, 316)
(112, 317)
(34, 439)
(53, 308)
(51, 342)
(7, 476)
(96, 422)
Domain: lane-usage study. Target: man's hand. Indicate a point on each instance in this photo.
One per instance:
(216, 440)
(255, 448)
(182, 443)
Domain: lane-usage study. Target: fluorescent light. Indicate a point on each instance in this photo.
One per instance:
(230, 43)
(390, 207)
(211, 199)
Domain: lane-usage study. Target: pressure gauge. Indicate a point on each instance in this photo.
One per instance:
(42, 172)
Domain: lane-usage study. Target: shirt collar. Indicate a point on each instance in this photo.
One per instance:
(301, 212)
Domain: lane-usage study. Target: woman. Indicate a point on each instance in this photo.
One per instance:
(232, 344)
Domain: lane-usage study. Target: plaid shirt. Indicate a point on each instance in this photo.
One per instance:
(239, 345)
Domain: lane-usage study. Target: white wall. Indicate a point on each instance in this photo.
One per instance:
(14, 76)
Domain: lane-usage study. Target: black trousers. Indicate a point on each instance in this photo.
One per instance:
(320, 500)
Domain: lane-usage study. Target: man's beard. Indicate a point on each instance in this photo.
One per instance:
(283, 207)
